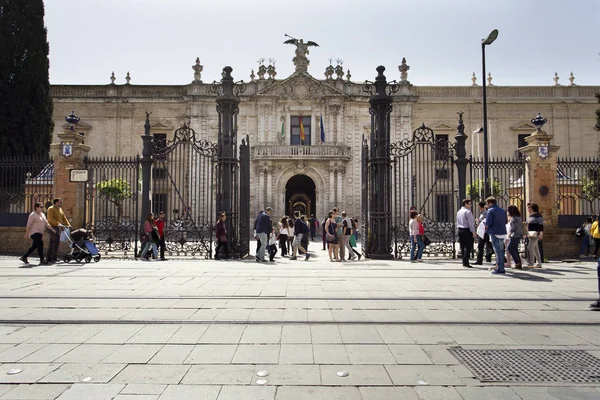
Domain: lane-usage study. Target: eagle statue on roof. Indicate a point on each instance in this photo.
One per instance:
(300, 61)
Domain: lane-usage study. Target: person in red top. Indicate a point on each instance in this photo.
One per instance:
(421, 229)
(160, 224)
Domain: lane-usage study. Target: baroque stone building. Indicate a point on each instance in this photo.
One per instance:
(321, 170)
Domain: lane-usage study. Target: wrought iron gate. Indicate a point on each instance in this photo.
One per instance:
(243, 222)
(111, 209)
(183, 186)
(423, 177)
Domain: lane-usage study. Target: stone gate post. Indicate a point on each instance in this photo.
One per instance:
(69, 154)
(541, 184)
(461, 160)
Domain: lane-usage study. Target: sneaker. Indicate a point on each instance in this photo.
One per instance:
(307, 257)
(498, 272)
(359, 257)
(582, 256)
(595, 305)
(24, 259)
(43, 261)
(538, 265)
(293, 258)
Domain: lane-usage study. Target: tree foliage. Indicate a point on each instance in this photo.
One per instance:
(590, 187)
(116, 191)
(25, 104)
(473, 189)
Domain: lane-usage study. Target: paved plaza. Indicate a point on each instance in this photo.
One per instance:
(242, 330)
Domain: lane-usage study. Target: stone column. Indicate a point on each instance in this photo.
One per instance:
(332, 187)
(541, 187)
(67, 155)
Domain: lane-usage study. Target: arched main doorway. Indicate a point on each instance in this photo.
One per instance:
(300, 195)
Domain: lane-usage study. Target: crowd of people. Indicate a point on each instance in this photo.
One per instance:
(292, 234)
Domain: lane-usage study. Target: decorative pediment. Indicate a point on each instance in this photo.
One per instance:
(301, 86)
(442, 126)
(160, 126)
(523, 126)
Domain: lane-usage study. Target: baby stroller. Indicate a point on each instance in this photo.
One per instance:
(82, 248)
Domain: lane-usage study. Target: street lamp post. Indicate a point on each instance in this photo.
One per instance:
(486, 171)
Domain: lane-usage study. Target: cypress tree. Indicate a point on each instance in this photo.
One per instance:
(25, 104)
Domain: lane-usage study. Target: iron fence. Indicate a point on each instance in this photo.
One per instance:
(24, 181)
(578, 181)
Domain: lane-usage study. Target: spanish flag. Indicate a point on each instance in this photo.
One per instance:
(302, 134)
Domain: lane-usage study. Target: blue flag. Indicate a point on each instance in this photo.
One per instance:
(322, 130)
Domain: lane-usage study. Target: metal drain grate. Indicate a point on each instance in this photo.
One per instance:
(570, 366)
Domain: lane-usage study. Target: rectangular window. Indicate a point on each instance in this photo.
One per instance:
(441, 142)
(442, 207)
(159, 202)
(159, 171)
(295, 131)
(442, 174)
(521, 140)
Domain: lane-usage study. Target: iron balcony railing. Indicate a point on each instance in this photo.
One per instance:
(276, 151)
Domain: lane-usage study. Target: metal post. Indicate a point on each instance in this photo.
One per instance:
(461, 159)
(486, 170)
(146, 162)
(379, 175)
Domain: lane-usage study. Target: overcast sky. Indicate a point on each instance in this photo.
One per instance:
(158, 41)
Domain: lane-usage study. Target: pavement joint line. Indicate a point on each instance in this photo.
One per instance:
(586, 299)
(290, 322)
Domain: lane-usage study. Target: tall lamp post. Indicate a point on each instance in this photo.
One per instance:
(486, 171)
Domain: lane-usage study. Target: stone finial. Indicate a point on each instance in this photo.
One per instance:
(539, 121)
(252, 76)
(329, 71)
(348, 76)
(474, 80)
(127, 78)
(572, 79)
(556, 78)
(489, 79)
(271, 69)
(339, 70)
(198, 68)
(112, 78)
(403, 68)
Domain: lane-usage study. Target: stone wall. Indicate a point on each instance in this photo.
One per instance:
(14, 242)
(568, 244)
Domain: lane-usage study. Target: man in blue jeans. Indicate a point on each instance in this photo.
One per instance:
(495, 225)
(596, 305)
(264, 227)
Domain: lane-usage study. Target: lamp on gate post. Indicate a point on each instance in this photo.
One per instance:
(486, 171)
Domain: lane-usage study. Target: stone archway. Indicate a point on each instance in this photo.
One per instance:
(300, 195)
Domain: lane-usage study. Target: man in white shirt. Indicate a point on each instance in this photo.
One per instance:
(466, 231)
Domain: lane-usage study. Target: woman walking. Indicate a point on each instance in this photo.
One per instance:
(35, 230)
(151, 237)
(415, 238)
(515, 233)
(283, 236)
(332, 240)
(221, 234)
(535, 232)
(586, 239)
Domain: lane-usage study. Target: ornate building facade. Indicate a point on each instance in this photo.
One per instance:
(306, 133)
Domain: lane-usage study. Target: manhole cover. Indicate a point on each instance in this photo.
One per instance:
(572, 366)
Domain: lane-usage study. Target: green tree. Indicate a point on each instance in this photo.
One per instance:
(590, 188)
(25, 104)
(116, 191)
(473, 189)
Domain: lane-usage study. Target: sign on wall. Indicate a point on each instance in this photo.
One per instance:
(78, 175)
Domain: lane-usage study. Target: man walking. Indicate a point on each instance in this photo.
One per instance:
(596, 305)
(466, 231)
(264, 227)
(347, 232)
(56, 217)
(339, 232)
(483, 244)
(313, 226)
(495, 223)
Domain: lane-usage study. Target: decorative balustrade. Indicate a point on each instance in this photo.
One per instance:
(275, 151)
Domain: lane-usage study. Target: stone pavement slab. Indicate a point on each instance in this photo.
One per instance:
(34, 392)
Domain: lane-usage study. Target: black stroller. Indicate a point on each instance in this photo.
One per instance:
(82, 247)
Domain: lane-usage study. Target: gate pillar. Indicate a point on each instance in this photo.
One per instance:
(461, 159)
(146, 162)
(379, 231)
(69, 154)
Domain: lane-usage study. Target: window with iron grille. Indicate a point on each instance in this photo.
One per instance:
(442, 207)
(295, 131)
(159, 171)
(159, 202)
(441, 143)
(442, 173)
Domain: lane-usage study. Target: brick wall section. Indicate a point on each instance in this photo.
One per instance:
(14, 243)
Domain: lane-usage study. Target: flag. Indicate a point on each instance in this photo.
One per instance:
(282, 127)
(322, 130)
(302, 135)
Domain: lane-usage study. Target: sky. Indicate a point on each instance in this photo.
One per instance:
(157, 41)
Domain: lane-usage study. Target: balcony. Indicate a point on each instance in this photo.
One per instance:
(286, 152)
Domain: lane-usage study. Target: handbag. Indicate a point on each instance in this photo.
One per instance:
(329, 237)
(154, 233)
(580, 232)
(532, 234)
(426, 241)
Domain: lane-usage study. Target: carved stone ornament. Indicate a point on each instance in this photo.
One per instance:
(198, 68)
(543, 151)
(474, 79)
(572, 79)
(112, 78)
(403, 68)
(127, 78)
(555, 79)
(67, 149)
(301, 86)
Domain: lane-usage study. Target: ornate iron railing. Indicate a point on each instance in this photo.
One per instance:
(24, 181)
